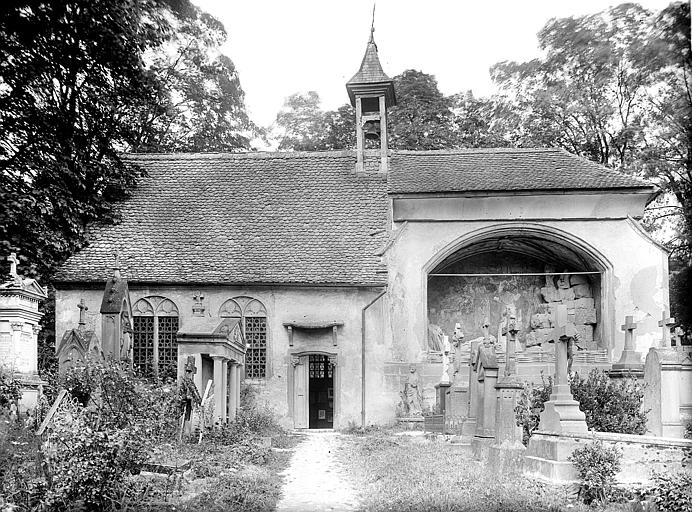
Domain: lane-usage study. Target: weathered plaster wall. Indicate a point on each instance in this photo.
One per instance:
(282, 304)
(635, 284)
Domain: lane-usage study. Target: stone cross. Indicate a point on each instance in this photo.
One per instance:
(665, 323)
(446, 348)
(563, 333)
(629, 326)
(678, 336)
(198, 306)
(12, 258)
(82, 313)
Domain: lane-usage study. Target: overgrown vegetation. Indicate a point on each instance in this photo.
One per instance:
(109, 425)
(609, 405)
(410, 474)
(597, 466)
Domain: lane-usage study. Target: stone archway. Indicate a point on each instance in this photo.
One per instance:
(301, 378)
(479, 273)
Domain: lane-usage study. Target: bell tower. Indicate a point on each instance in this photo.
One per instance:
(371, 93)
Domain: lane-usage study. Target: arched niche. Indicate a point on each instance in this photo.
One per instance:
(477, 275)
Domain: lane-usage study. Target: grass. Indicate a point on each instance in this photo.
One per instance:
(405, 474)
(238, 477)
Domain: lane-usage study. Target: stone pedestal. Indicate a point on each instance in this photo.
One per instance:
(19, 328)
(506, 429)
(662, 393)
(441, 397)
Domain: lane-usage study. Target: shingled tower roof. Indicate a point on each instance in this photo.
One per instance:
(371, 74)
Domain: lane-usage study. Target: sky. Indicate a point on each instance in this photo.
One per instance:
(284, 47)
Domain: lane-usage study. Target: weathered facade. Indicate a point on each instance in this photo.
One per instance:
(339, 265)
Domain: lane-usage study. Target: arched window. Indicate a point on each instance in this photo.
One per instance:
(155, 347)
(253, 317)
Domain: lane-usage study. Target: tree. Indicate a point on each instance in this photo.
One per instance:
(80, 82)
(422, 119)
(587, 94)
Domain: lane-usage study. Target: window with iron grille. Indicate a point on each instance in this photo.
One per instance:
(143, 345)
(154, 342)
(256, 339)
(168, 345)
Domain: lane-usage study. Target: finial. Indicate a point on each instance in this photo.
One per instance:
(12, 258)
(372, 26)
(82, 313)
(116, 264)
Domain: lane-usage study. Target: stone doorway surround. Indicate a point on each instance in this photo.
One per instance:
(298, 387)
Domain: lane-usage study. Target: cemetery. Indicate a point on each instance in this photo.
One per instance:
(373, 328)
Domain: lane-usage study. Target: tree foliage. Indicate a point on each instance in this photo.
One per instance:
(613, 87)
(83, 80)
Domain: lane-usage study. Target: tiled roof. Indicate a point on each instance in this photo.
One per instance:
(370, 69)
(301, 218)
(477, 170)
(296, 218)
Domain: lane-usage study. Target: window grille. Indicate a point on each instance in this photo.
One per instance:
(317, 367)
(168, 345)
(256, 339)
(143, 344)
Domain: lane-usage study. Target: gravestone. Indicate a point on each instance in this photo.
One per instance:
(562, 413)
(486, 374)
(549, 448)
(630, 362)
(662, 374)
(19, 328)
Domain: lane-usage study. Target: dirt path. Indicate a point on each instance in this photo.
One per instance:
(314, 480)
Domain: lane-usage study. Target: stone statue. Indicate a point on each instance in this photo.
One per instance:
(412, 392)
(188, 395)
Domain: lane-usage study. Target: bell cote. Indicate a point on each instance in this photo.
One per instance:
(371, 92)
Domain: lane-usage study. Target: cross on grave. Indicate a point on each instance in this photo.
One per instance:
(12, 258)
(562, 335)
(629, 326)
(666, 324)
(678, 333)
(562, 413)
(82, 312)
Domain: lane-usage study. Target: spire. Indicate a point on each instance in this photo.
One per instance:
(371, 74)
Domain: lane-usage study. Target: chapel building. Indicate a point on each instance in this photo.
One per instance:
(321, 277)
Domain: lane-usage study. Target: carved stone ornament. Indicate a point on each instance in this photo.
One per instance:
(17, 326)
(295, 361)
(332, 361)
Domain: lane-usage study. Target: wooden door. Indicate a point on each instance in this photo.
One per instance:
(300, 393)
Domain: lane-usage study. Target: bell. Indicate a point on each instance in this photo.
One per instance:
(371, 130)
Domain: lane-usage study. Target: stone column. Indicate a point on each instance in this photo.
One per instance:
(508, 389)
(219, 389)
(487, 371)
(233, 392)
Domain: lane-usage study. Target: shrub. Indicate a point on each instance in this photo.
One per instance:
(597, 466)
(672, 492)
(530, 406)
(10, 391)
(610, 405)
